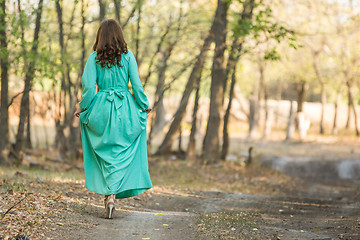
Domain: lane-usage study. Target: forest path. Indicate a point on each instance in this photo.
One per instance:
(323, 213)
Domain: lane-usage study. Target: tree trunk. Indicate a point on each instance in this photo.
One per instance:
(263, 95)
(218, 76)
(323, 92)
(102, 10)
(82, 31)
(191, 150)
(254, 110)
(117, 4)
(323, 103)
(4, 65)
(301, 89)
(347, 126)
(180, 141)
(63, 143)
(29, 75)
(226, 139)
(352, 105)
(278, 98)
(268, 118)
(290, 127)
(28, 130)
(139, 3)
(165, 146)
(337, 101)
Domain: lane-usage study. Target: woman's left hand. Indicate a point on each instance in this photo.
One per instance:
(148, 110)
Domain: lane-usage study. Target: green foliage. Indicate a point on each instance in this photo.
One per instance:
(272, 54)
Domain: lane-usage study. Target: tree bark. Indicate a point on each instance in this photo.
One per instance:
(165, 146)
(218, 76)
(4, 65)
(28, 131)
(29, 75)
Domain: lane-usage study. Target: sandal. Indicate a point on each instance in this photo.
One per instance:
(109, 205)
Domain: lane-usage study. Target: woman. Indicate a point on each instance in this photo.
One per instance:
(112, 120)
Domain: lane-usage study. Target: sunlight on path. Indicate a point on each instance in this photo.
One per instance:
(135, 224)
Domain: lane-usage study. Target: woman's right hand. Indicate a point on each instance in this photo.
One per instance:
(148, 110)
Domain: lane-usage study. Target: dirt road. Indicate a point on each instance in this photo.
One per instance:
(331, 213)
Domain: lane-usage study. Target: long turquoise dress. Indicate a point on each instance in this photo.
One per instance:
(113, 129)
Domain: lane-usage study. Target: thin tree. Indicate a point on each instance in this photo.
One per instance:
(137, 40)
(29, 75)
(218, 76)
(191, 150)
(4, 65)
(323, 89)
(336, 105)
(234, 55)
(349, 85)
(226, 138)
(195, 74)
(165, 54)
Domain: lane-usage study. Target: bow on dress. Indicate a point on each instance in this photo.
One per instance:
(115, 96)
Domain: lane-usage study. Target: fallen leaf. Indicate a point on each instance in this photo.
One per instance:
(165, 225)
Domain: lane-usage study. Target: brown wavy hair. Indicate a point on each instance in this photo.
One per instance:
(109, 44)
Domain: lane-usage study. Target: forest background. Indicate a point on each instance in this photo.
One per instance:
(258, 68)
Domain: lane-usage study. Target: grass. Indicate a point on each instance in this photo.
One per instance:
(226, 177)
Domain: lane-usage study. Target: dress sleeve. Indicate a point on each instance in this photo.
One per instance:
(88, 81)
(137, 87)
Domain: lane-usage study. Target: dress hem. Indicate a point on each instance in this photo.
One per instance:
(124, 193)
